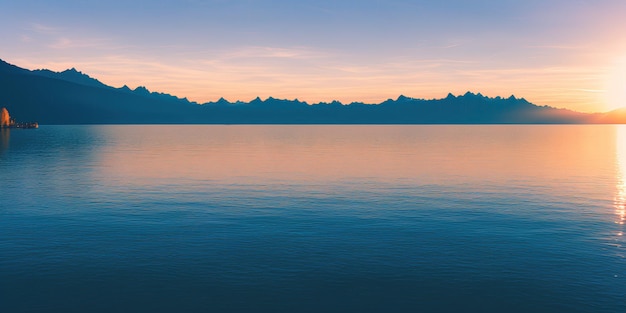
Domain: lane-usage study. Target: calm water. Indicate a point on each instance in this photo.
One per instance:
(313, 219)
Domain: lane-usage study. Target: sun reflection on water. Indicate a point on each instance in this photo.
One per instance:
(620, 196)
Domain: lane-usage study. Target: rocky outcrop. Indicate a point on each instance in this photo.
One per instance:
(5, 118)
(7, 122)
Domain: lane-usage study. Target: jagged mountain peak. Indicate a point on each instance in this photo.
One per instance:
(70, 75)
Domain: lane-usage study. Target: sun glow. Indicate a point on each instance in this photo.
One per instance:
(616, 86)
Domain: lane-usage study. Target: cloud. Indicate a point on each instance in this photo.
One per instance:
(62, 43)
(590, 90)
(252, 52)
(558, 47)
(59, 38)
(45, 29)
(82, 43)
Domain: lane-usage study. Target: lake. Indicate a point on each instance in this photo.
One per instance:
(220, 218)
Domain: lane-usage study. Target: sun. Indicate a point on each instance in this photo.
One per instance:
(616, 86)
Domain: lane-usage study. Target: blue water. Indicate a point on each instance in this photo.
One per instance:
(313, 219)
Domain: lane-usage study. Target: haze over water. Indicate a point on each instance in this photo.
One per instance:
(313, 219)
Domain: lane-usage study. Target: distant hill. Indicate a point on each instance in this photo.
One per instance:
(71, 97)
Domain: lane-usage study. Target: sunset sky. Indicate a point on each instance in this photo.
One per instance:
(563, 53)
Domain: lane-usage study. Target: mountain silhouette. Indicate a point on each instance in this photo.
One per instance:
(72, 97)
(71, 75)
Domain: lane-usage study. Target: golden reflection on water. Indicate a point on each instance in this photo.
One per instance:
(620, 196)
(479, 155)
(4, 139)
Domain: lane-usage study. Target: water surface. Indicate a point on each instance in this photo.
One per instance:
(313, 219)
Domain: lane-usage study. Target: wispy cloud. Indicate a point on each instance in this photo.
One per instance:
(274, 52)
(451, 46)
(45, 29)
(558, 47)
(81, 43)
(590, 90)
(60, 38)
(62, 43)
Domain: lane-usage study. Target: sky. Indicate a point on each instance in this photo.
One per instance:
(562, 53)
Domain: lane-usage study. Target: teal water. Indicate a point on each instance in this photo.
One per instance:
(313, 219)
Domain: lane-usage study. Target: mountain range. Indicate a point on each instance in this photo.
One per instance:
(72, 97)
